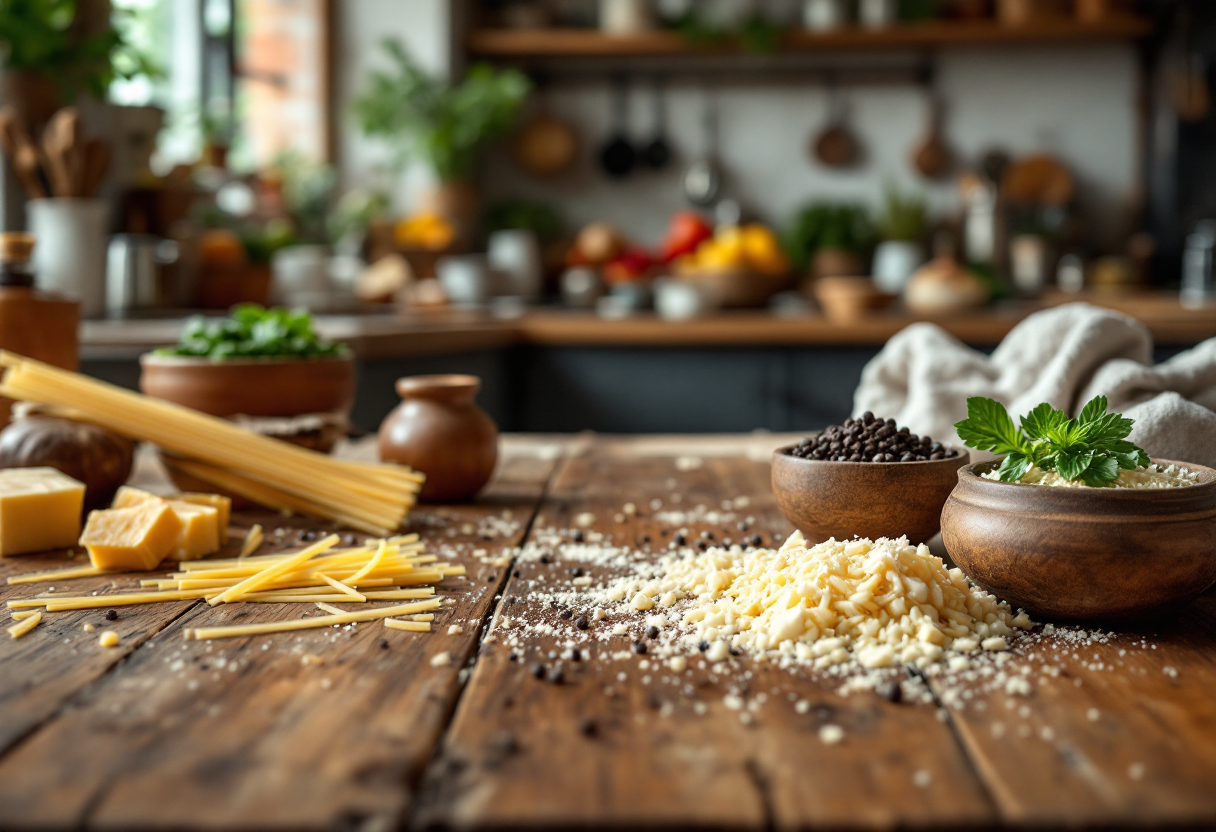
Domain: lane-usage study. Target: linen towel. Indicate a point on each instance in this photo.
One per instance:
(1065, 355)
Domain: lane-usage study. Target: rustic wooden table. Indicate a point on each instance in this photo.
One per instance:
(361, 729)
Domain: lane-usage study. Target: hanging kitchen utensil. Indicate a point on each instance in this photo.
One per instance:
(702, 180)
(657, 154)
(545, 146)
(835, 146)
(63, 145)
(96, 163)
(618, 156)
(1189, 83)
(932, 157)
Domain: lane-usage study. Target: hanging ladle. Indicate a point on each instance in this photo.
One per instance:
(658, 153)
(617, 156)
(835, 146)
(702, 179)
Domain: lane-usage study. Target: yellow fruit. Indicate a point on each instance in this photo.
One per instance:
(428, 231)
(763, 250)
(730, 240)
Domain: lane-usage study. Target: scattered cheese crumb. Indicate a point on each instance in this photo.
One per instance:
(108, 639)
(455, 629)
(831, 734)
(922, 779)
(441, 659)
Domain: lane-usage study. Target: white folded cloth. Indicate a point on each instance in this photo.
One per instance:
(1065, 356)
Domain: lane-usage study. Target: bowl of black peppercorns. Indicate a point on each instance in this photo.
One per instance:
(868, 478)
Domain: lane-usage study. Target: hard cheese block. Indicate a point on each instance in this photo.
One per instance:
(200, 534)
(220, 503)
(39, 509)
(136, 538)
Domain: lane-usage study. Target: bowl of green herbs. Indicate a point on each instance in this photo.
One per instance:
(1074, 521)
(257, 364)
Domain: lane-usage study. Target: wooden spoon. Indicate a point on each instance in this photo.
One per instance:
(22, 153)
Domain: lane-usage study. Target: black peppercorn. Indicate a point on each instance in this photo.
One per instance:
(577, 536)
(111, 615)
(538, 670)
(566, 614)
(587, 727)
(639, 647)
(652, 632)
(383, 644)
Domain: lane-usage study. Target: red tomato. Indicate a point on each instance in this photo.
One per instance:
(685, 232)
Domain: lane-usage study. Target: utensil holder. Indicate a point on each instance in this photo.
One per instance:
(70, 252)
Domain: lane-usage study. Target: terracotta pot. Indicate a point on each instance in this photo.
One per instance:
(1025, 12)
(439, 430)
(33, 95)
(259, 387)
(867, 499)
(1092, 11)
(225, 287)
(835, 262)
(847, 299)
(1084, 554)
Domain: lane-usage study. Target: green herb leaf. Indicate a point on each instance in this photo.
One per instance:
(1102, 470)
(1072, 463)
(989, 428)
(1094, 409)
(1014, 467)
(253, 332)
(1039, 422)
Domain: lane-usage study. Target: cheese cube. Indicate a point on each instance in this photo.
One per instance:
(200, 534)
(40, 509)
(219, 502)
(136, 538)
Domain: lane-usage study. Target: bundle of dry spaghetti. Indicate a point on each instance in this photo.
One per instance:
(372, 498)
(395, 569)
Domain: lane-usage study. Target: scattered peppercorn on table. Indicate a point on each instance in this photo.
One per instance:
(570, 677)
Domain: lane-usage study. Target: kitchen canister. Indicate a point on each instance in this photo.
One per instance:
(824, 15)
(626, 17)
(301, 277)
(516, 254)
(70, 257)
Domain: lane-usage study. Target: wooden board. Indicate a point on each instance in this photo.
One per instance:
(311, 730)
(515, 755)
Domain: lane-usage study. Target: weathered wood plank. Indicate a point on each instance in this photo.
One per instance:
(1126, 734)
(519, 754)
(310, 730)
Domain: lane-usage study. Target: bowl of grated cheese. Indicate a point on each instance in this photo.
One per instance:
(1143, 546)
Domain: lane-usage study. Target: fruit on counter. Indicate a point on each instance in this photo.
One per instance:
(136, 538)
(753, 247)
(87, 453)
(944, 285)
(424, 230)
(630, 265)
(40, 509)
(685, 233)
(595, 245)
(200, 531)
(221, 248)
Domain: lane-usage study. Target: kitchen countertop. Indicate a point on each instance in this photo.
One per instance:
(386, 336)
(1117, 730)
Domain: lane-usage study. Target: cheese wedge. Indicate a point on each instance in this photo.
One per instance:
(136, 538)
(219, 502)
(200, 534)
(40, 509)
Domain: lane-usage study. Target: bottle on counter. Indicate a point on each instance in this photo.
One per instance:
(39, 325)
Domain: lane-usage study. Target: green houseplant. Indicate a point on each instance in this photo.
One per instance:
(829, 239)
(56, 49)
(902, 250)
(445, 126)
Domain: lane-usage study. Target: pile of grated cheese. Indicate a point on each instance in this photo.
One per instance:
(881, 603)
(1153, 476)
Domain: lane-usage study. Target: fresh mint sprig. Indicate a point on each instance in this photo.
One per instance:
(1092, 447)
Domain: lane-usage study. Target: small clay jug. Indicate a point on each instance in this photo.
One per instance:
(439, 430)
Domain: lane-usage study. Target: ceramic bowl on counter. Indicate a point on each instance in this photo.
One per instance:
(826, 499)
(261, 388)
(1084, 554)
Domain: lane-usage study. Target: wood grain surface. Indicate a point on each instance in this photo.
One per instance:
(330, 730)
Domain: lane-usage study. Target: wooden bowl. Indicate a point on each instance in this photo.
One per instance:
(847, 299)
(1084, 554)
(264, 387)
(867, 499)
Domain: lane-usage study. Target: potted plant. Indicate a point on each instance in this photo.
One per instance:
(902, 251)
(444, 125)
(265, 367)
(830, 239)
(56, 49)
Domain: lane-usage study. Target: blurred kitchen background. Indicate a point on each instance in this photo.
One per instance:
(623, 215)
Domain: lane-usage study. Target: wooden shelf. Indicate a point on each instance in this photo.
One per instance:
(579, 43)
